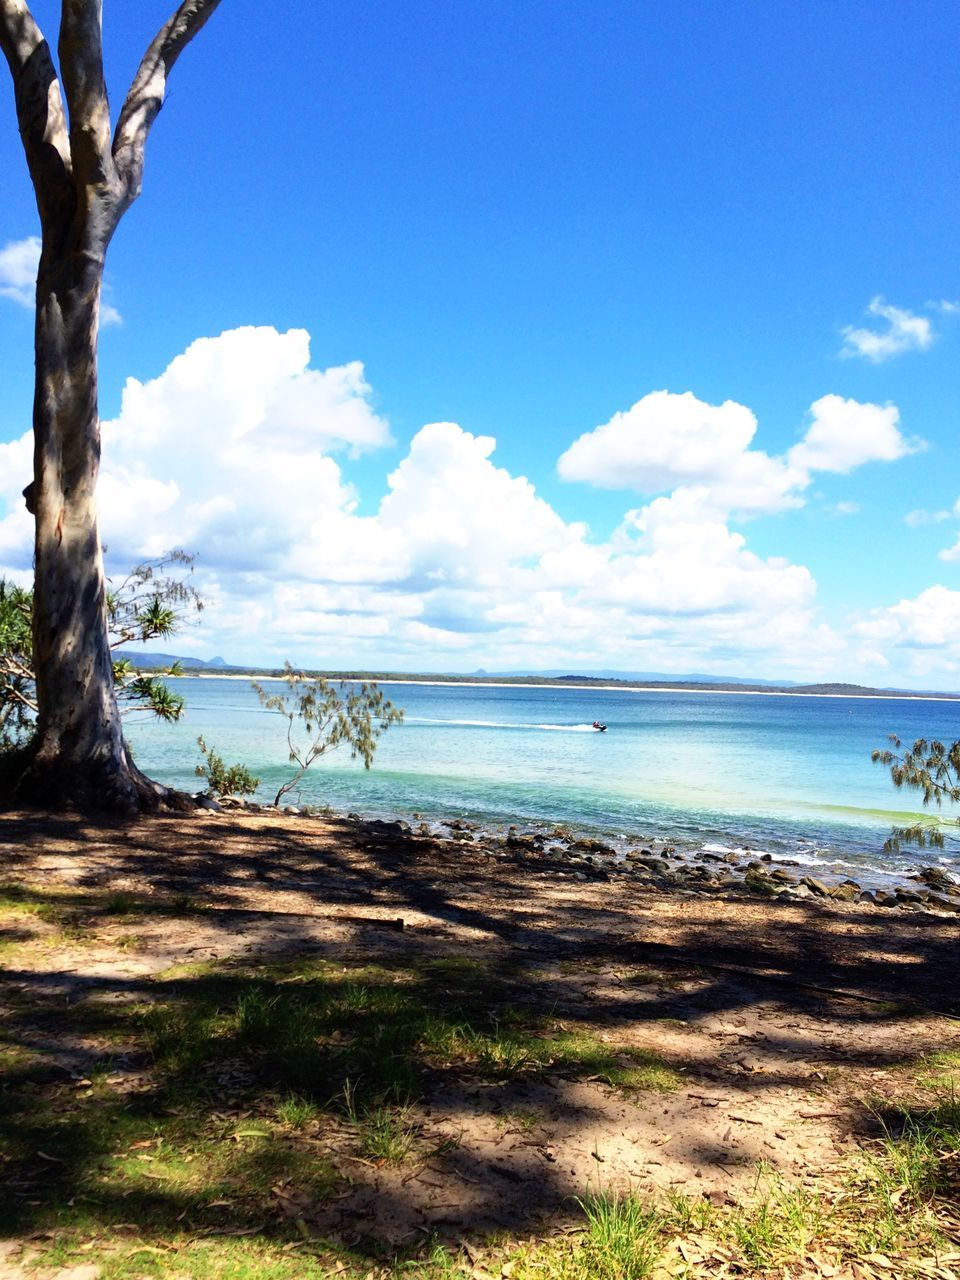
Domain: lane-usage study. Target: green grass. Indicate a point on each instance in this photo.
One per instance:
(914, 1167)
(237, 1097)
(940, 1071)
(297, 1112)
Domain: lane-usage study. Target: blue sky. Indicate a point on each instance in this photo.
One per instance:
(692, 269)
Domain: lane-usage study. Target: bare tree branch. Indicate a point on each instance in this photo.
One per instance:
(40, 115)
(81, 66)
(146, 94)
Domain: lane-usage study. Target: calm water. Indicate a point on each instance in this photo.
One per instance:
(783, 774)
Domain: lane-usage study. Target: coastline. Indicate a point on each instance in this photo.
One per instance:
(649, 865)
(598, 688)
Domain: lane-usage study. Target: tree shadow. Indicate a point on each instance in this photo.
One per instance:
(248, 1094)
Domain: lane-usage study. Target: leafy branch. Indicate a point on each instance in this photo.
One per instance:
(155, 600)
(321, 717)
(931, 768)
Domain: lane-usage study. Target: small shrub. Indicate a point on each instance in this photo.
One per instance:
(224, 779)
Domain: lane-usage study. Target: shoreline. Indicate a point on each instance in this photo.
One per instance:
(598, 688)
(650, 864)
(606, 689)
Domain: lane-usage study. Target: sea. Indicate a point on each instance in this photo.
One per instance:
(784, 774)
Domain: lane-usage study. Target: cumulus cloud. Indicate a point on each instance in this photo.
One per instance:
(923, 631)
(241, 451)
(900, 331)
(844, 434)
(19, 260)
(667, 441)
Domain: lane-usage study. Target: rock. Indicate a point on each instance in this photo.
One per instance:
(592, 846)
(884, 899)
(757, 882)
(937, 879)
(937, 903)
(659, 865)
(816, 886)
(845, 892)
(207, 802)
(910, 895)
(866, 896)
(514, 841)
(784, 877)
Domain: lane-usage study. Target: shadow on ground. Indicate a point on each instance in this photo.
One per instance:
(215, 1026)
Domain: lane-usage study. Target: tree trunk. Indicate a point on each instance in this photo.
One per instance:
(85, 176)
(79, 758)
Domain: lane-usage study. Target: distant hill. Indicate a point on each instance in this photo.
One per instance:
(660, 677)
(152, 661)
(613, 679)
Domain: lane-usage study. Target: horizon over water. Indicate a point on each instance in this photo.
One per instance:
(786, 774)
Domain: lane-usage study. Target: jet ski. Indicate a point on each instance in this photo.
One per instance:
(600, 728)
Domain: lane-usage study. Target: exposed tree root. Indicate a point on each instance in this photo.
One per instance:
(29, 781)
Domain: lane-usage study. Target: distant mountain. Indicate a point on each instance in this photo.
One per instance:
(659, 677)
(152, 661)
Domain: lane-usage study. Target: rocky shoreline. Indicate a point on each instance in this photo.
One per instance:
(643, 863)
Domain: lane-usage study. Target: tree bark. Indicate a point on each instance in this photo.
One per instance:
(79, 756)
(84, 181)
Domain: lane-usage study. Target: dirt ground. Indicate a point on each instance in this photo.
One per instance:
(787, 1021)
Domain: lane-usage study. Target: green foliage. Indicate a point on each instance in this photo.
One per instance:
(17, 705)
(224, 779)
(321, 717)
(155, 600)
(931, 768)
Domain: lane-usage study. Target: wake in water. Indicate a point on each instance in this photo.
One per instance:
(503, 724)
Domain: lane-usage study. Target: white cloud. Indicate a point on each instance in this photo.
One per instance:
(668, 441)
(844, 434)
(930, 621)
(903, 331)
(915, 519)
(19, 260)
(239, 450)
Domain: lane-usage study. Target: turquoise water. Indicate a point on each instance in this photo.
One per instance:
(785, 774)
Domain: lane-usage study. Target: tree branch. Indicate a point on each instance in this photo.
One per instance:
(43, 125)
(81, 66)
(146, 94)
